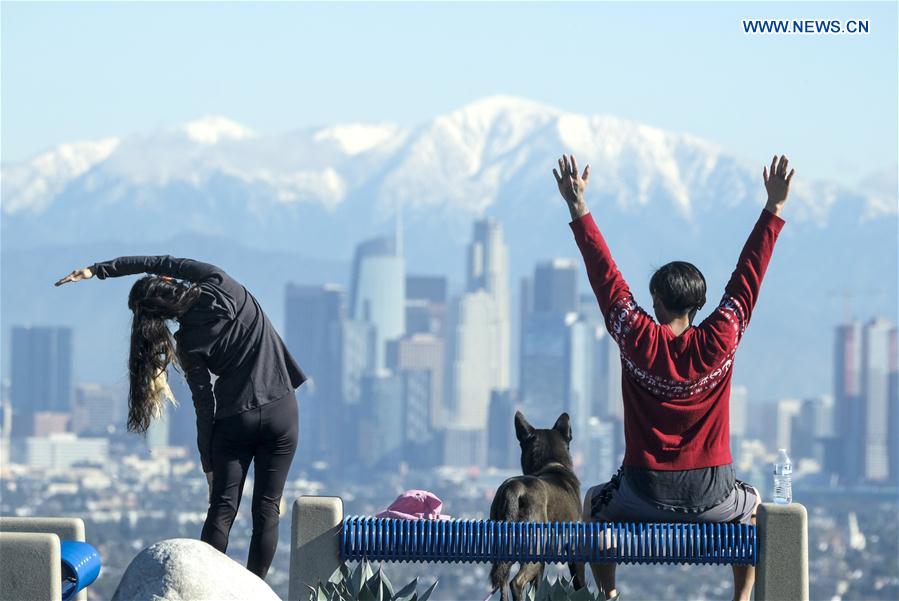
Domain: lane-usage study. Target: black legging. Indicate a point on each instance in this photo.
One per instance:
(268, 435)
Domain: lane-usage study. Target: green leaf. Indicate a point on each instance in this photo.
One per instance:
(407, 591)
(582, 594)
(427, 594)
(366, 594)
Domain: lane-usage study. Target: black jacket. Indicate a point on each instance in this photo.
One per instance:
(225, 333)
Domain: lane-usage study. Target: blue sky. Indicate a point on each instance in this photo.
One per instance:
(80, 71)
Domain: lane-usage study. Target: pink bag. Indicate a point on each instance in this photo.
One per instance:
(415, 505)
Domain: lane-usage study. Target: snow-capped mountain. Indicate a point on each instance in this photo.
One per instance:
(315, 193)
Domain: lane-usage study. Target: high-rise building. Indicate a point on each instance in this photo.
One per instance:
(41, 373)
(875, 394)
(464, 447)
(378, 291)
(503, 450)
(739, 397)
(787, 413)
(100, 409)
(555, 286)
(489, 271)
(893, 421)
(813, 428)
(847, 457)
(426, 306)
(313, 316)
(422, 352)
(60, 451)
(545, 358)
(601, 459)
(382, 423)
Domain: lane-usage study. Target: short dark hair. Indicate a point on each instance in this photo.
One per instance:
(680, 286)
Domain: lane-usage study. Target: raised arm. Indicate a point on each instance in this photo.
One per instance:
(605, 279)
(200, 383)
(742, 290)
(165, 265)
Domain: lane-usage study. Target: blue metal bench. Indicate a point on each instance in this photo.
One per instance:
(322, 539)
(470, 541)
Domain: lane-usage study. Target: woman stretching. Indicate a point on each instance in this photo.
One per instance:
(250, 415)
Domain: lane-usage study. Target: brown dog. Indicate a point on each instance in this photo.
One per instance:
(547, 492)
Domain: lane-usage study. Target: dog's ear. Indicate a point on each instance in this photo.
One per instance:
(523, 430)
(563, 427)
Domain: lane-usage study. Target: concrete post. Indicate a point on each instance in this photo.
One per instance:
(314, 545)
(30, 567)
(782, 571)
(64, 528)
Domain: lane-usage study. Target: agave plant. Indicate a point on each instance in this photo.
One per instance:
(561, 589)
(365, 584)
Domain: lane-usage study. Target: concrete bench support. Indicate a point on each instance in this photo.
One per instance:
(30, 567)
(63, 528)
(314, 545)
(782, 572)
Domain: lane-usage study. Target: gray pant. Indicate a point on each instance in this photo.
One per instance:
(617, 501)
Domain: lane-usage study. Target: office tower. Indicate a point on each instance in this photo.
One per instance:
(488, 271)
(45, 423)
(610, 399)
(875, 379)
(464, 447)
(601, 460)
(422, 352)
(544, 369)
(555, 287)
(812, 429)
(421, 444)
(738, 415)
(503, 450)
(41, 373)
(381, 421)
(378, 291)
(313, 318)
(61, 451)
(100, 410)
(847, 458)
(787, 413)
(426, 304)
(474, 359)
(893, 421)
(158, 432)
(584, 337)
(183, 416)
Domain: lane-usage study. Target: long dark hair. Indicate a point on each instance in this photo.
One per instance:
(154, 301)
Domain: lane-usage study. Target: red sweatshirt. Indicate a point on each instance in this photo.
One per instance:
(676, 389)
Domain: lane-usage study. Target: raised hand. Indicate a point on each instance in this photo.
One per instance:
(571, 185)
(76, 276)
(777, 183)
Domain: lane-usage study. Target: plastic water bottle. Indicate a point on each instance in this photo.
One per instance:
(783, 478)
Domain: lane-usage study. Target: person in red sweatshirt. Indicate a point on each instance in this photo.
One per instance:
(675, 377)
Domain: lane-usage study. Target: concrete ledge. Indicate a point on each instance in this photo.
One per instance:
(30, 567)
(782, 573)
(315, 545)
(64, 528)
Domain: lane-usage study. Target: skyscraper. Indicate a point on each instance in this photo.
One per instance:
(378, 291)
(478, 357)
(893, 421)
(41, 373)
(502, 445)
(313, 316)
(555, 286)
(382, 424)
(488, 270)
(848, 454)
(426, 304)
(422, 352)
(875, 394)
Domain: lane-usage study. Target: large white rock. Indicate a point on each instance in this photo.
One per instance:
(184, 569)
